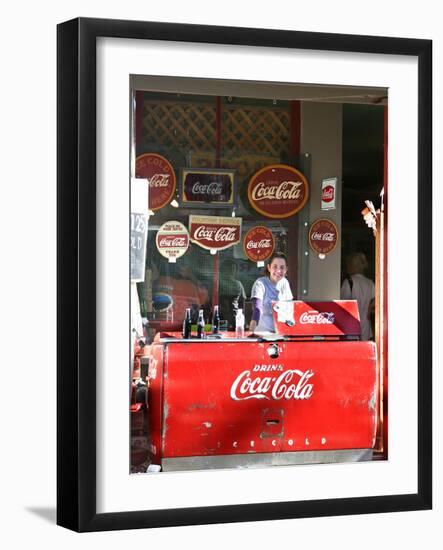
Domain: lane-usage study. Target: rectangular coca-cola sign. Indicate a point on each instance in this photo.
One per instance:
(335, 318)
(214, 188)
(214, 232)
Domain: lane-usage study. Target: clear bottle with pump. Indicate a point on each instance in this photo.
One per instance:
(239, 324)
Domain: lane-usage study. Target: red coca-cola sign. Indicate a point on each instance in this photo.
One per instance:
(172, 240)
(161, 176)
(278, 191)
(323, 236)
(214, 232)
(259, 244)
(334, 318)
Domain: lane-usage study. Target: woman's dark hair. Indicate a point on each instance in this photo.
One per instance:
(274, 255)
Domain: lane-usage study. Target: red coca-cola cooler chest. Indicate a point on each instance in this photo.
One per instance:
(307, 394)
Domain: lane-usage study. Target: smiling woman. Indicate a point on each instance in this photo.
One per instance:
(272, 287)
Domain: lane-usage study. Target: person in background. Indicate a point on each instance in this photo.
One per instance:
(231, 292)
(273, 286)
(357, 286)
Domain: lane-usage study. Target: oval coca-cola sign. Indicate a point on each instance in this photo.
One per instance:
(172, 240)
(161, 177)
(278, 191)
(258, 244)
(323, 236)
(214, 232)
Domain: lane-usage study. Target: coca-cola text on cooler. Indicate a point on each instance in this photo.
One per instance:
(290, 384)
(317, 318)
(281, 191)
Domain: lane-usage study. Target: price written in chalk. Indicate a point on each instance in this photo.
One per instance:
(138, 245)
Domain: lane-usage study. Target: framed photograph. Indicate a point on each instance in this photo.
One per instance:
(228, 346)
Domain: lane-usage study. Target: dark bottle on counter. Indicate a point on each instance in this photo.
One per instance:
(200, 325)
(215, 321)
(187, 324)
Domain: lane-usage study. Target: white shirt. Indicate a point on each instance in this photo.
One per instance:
(268, 292)
(363, 290)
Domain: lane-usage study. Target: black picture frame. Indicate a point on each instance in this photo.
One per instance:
(76, 279)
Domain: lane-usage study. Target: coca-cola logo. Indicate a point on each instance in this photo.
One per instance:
(161, 177)
(278, 191)
(288, 384)
(214, 233)
(327, 194)
(323, 236)
(264, 243)
(217, 234)
(213, 188)
(258, 244)
(159, 180)
(208, 187)
(172, 240)
(313, 317)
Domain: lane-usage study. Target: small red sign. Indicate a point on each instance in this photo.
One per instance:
(323, 236)
(214, 232)
(161, 176)
(328, 194)
(259, 243)
(172, 240)
(278, 191)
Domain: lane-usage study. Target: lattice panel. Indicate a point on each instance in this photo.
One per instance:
(180, 126)
(251, 137)
(255, 130)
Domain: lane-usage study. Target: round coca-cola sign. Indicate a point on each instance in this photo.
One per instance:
(278, 191)
(259, 244)
(161, 176)
(323, 236)
(172, 240)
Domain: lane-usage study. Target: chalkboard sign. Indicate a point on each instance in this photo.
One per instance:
(138, 246)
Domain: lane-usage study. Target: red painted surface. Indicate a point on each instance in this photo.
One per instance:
(218, 130)
(222, 398)
(295, 128)
(139, 99)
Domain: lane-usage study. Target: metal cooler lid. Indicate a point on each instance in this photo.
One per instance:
(334, 318)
